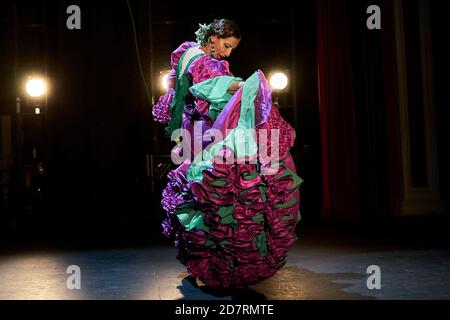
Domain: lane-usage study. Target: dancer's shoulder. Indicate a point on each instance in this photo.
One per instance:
(176, 55)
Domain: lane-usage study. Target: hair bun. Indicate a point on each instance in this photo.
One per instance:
(222, 28)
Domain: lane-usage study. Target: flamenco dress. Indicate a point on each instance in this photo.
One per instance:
(232, 207)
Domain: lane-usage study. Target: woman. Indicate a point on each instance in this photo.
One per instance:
(232, 204)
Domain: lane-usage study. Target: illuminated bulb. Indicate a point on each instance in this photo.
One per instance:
(36, 87)
(279, 81)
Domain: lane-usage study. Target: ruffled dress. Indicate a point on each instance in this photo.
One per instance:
(232, 221)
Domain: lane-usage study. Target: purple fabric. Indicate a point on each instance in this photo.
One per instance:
(161, 109)
(229, 117)
(263, 101)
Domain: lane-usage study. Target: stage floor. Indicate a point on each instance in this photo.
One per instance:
(321, 266)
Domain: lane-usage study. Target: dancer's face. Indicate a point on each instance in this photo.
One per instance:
(224, 46)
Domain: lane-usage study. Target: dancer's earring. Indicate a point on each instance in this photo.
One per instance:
(212, 51)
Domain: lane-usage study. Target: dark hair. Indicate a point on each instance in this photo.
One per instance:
(225, 28)
(222, 28)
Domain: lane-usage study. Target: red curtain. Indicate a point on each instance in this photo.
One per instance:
(341, 197)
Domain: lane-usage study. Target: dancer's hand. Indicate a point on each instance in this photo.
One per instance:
(235, 86)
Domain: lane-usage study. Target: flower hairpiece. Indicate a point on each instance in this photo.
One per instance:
(203, 33)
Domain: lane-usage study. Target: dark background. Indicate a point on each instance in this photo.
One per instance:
(98, 128)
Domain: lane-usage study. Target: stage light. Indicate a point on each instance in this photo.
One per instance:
(278, 81)
(164, 75)
(36, 87)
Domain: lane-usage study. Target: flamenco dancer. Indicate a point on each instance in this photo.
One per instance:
(233, 203)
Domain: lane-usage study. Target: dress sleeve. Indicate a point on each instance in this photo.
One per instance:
(161, 109)
(176, 55)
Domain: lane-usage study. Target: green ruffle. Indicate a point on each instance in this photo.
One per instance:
(226, 215)
(190, 217)
(261, 243)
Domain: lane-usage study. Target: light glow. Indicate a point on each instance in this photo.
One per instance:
(36, 87)
(278, 81)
